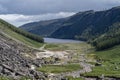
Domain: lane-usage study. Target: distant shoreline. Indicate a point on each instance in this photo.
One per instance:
(56, 40)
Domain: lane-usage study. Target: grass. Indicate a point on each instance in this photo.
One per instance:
(78, 47)
(75, 49)
(110, 60)
(106, 71)
(71, 78)
(24, 39)
(5, 78)
(59, 68)
(113, 53)
(55, 47)
(20, 37)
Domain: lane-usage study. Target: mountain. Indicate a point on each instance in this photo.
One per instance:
(83, 25)
(19, 34)
(108, 39)
(15, 44)
(101, 28)
(44, 28)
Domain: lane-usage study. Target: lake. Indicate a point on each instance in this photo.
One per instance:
(54, 40)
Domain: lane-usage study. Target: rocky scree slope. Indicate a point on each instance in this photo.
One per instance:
(13, 63)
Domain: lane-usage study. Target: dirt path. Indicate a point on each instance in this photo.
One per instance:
(43, 47)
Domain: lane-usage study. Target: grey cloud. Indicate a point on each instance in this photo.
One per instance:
(33, 7)
(19, 19)
(19, 12)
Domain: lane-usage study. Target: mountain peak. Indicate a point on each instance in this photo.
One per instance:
(85, 12)
(114, 8)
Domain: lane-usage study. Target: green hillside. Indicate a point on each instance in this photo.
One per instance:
(101, 28)
(85, 25)
(110, 63)
(20, 35)
(43, 28)
(108, 39)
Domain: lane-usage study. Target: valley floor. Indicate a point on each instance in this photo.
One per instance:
(69, 59)
(75, 61)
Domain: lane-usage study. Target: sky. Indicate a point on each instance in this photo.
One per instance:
(19, 12)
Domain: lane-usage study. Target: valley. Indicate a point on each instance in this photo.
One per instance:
(88, 48)
(93, 64)
(79, 61)
(69, 61)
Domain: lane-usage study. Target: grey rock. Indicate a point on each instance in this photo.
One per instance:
(13, 63)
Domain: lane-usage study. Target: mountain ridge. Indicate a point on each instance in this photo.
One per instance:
(92, 19)
(87, 26)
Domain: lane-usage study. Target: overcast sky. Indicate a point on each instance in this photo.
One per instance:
(19, 12)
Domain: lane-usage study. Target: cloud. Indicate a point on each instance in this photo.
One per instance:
(35, 7)
(19, 19)
(19, 12)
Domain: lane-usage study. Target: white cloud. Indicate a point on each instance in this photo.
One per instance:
(19, 19)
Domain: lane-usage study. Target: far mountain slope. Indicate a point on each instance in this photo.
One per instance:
(108, 39)
(44, 28)
(83, 25)
(89, 24)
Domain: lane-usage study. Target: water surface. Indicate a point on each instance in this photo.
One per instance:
(54, 40)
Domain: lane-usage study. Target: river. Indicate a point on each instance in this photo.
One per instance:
(54, 40)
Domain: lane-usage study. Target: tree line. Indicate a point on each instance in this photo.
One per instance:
(109, 39)
(22, 32)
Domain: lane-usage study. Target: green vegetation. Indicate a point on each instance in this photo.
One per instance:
(22, 32)
(24, 39)
(4, 78)
(107, 70)
(77, 47)
(55, 47)
(18, 34)
(109, 39)
(74, 49)
(110, 63)
(103, 32)
(87, 25)
(59, 68)
(71, 78)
